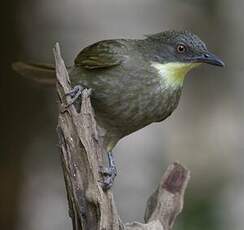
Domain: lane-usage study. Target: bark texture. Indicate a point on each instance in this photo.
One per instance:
(82, 154)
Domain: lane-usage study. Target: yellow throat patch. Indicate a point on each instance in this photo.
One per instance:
(173, 74)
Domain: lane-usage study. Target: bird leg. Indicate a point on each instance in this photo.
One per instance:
(74, 94)
(108, 173)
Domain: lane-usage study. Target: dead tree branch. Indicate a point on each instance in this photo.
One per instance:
(82, 153)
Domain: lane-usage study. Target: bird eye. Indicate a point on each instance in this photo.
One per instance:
(181, 48)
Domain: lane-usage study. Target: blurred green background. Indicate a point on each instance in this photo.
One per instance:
(205, 133)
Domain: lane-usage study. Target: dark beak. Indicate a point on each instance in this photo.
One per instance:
(209, 58)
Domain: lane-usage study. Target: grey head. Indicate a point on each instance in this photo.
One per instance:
(180, 46)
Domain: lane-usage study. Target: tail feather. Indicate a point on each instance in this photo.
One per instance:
(41, 73)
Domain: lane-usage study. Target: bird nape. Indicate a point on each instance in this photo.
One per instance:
(134, 82)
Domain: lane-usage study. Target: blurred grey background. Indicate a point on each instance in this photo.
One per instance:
(205, 133)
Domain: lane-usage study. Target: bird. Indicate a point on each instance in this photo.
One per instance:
(134, 82)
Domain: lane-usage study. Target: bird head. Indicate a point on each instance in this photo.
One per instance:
(181, 47)
(173, 54)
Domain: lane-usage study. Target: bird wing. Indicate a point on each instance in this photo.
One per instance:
(102, 54)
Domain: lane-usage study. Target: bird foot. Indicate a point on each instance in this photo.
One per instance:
(74, 94)
(108, 173)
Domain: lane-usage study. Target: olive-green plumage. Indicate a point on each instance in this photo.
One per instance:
(133, 82)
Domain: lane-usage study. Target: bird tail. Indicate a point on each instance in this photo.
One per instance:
(41, 73)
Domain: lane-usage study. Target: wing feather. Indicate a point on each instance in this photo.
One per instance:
(103, 54)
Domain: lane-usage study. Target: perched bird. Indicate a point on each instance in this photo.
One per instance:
(134, 82)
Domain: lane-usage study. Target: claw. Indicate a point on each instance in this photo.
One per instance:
(74, 95)
(108, 173)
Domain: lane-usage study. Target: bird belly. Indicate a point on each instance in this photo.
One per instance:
(131, 112)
